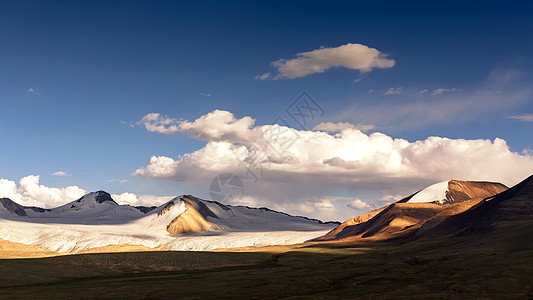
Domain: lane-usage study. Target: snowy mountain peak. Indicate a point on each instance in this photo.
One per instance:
(96, 204)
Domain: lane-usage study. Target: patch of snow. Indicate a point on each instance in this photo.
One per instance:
(433, 193)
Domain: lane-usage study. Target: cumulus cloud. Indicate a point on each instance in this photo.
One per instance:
(394, 91)
(359, 205)
(29, 192)
(351, 56)
(349, 156)
(60, 173)
(217, 125)
(524, 117)
(340, 126)
(299, 169)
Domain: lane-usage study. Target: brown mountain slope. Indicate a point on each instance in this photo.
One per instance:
(511, 207)
(459, 191)
(193, 219)
(402, 215)
(349, 223)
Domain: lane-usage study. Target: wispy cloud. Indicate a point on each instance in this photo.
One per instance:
(524, 117)
(60, 173)
(443, 91)
(496, 94)
(118, 180)
(206, 94)
(350, 56)
(129, 124)
(394, 91)
(262, 76)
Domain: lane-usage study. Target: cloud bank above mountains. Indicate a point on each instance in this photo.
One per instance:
(301, 171)
(348, 155)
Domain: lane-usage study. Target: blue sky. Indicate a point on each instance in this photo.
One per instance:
(74, 75)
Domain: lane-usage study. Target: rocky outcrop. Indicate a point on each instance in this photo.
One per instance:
(13, 207)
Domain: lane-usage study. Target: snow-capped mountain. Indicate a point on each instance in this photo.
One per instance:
(183, 223)
(95, 205)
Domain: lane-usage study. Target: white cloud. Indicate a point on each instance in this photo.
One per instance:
(317, 163)
(394, 91)
(524, 117)
(422, 92)
(350, 56)
(349, 153)
(217, 125)
(140, 200)
(206, 94)
(60, 173)
(28, 192)
(360, 205)
(262, 76)
(338, 127)
(443, 91)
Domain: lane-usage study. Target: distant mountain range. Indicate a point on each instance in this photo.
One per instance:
(450, 208)
(183, 223)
